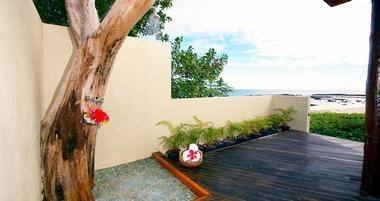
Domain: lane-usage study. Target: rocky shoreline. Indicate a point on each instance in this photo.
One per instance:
(343, 103)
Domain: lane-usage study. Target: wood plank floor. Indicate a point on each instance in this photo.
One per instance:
(287, 166)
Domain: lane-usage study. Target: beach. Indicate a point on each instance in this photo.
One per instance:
(344, 101)
(340, 103)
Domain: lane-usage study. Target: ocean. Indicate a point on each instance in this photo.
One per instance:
(253, 92)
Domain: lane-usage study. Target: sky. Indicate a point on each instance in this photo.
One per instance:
(278, 44)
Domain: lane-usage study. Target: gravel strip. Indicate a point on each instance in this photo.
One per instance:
(139, 181)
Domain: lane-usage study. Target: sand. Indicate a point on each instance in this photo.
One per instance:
(340, 110)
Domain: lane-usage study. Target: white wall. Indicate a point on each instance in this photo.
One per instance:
(20, 59)
(302, 104)
(33, 58)
(138, 96)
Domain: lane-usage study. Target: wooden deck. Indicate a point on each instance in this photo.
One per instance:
(287, 166)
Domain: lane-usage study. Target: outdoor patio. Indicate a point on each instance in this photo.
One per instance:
(291, 165)
(72, 130)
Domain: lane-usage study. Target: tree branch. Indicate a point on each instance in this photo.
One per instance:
(83, 18)
(123, 15)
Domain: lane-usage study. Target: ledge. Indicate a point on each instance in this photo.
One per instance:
(198, 190)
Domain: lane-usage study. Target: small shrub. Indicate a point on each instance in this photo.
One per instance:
(256, 125)
(211, 135)
(232, 129)
(195, 131)
(183, 135)
(286, 115)
(274, 120)
(346, 126)
(192, 136)
(246, 127)
(174, 141)
(201, 124)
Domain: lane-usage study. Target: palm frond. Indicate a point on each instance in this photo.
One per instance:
(168, 125)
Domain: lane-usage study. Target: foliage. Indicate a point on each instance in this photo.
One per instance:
(201, 124)
(195, 76)
(232, 129)
(195, 131)
(286, 115)
(254, 126)
(211, 135)
(175, 140)
(54, 12)
(246, 128)
(346, 126)
(183, 135)
(274, 120)
(192, 136)
(260, 124)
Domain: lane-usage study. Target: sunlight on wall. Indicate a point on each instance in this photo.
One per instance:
(20, 56)
(138, 96)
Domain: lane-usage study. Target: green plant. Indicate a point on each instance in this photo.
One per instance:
(346, 126)
(232, 129)
(54, 12)
(256, 125)
(274, 120)
(211, 135)
(246, 127)
(192, 136)
(286, 115)
(221, 132)
(201, 124)
(177, 133)
(195, 131)
(194, 75)
(260, 124)
(171, 142)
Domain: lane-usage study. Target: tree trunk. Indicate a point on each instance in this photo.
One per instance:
(371, 161)
(68, 144)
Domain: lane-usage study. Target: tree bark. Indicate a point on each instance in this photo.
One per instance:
(371, 161)
(68, 144)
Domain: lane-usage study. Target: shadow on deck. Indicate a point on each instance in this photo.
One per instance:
(287, 166)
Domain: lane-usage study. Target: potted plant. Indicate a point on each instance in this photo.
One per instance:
(196, 131)
(286, 115)
(192, 136)
(172, 142)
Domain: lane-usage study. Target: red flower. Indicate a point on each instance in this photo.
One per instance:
(99, 116)
(192, 154)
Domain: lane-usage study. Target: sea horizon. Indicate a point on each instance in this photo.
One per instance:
(303, 92)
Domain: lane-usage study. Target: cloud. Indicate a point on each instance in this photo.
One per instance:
(203, 44)
(276, 33)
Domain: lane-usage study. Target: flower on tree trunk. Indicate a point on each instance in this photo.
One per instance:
(96, 117)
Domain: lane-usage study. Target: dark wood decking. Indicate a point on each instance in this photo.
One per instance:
(287, 166)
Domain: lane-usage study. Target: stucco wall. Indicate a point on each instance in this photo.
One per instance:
(20, 59)
(302, 104)
(138, 96)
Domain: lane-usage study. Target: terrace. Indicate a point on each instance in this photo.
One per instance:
(291, 165)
